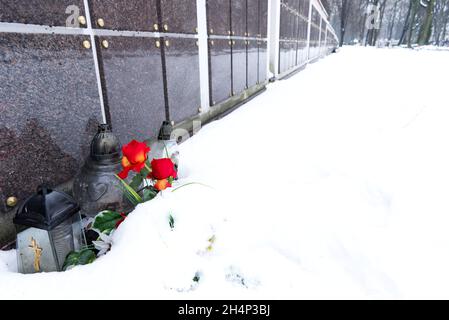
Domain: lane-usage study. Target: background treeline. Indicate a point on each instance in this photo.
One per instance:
(403, 22)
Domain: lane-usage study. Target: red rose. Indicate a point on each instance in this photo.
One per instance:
(163, 169)
(134, 157)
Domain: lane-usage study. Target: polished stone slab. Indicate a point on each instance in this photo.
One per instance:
(284, 23)
(295, 27)
(301, 54)
(49, 111)
(133, 85)
(238, 66)
(292, 54)
(294, 4)
(42, 12)
(183, 78)
(132, 15)
(218, 17)
(263, 14)
(263, 60)
(220, 75)
(252, 18)
(253, 63)
(302, 29)
(283, 59)
(304, 7)
(238, 18)
(179, 16)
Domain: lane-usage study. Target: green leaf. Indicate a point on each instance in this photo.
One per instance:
(137, 181)
(86, 257)
(145, 171)
(71, 260)
(197, 277)
(130, 193)
(105, 221)
(77, 258)
(171, 221)
(149, 194)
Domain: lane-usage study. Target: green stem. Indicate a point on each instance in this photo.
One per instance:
(130, 190)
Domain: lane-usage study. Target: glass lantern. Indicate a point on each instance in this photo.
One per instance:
(166, 145)
(96, 187)
(48, 229)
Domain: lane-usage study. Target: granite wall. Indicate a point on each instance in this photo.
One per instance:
(295, 48)
(65, 68)
(237, 31)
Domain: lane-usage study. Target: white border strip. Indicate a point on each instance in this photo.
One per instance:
(274, 17)
(203, 54)
(8, 27)
(94, 52)
(236, 38)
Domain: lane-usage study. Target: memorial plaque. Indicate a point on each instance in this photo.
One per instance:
(293, 47)
(253, 18)
(302, 52)
(263, 13)
(179, 16)
(219, 17)
(238, 18)
(283, 56)
(133, 85)
(284, 23)
(132, 15)
(238, 66)
(294, 4)
(183, 78)
(304, 7)
(253, 62)
(220, 75)
(263, 61)
(61, 13)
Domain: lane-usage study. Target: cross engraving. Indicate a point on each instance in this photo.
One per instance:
(37, 254)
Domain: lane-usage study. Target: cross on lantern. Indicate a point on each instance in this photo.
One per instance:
(37, 254)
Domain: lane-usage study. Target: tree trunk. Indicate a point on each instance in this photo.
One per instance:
(343, 20)
(414, 10)
(446, 21)
(371, 35)
(363, 28)
(382, 13)
(407, 23)
(426, 29)
(393, 21)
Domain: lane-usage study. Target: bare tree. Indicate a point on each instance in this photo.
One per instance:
(391, 25)
(383, 5)
(426, 28)
(344, 14)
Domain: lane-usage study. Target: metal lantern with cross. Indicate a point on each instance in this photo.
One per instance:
(48, 229)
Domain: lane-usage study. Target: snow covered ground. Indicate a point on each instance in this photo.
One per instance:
(332, 184)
